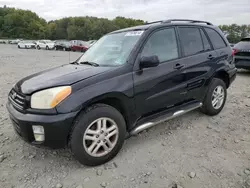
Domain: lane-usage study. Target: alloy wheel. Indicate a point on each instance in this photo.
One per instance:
(218, 97)
(100, 137)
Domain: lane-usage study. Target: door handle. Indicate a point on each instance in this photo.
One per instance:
(210, 56)
(178, 66)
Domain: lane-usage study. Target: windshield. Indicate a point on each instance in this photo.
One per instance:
(112, 49)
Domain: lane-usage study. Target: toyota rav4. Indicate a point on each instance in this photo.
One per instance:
(130, 80)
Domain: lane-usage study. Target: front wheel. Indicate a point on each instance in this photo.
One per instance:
(98, 135)
(215, 98)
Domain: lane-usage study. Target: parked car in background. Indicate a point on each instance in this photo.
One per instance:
(91, 42)
(3, 42)
(27, 44)
(15, 41)
(150, 74)
(242, 53)
(45, 44)
(63, 45)
(78, 45)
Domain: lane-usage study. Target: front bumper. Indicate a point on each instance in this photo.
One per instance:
(56, 127)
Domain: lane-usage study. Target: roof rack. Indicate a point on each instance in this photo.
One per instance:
(160, 21)
(180, 20)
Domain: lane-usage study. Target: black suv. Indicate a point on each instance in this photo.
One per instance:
(63, 45)
(130, 80)
(242, 53)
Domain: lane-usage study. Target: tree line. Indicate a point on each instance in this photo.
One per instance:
(25, 24)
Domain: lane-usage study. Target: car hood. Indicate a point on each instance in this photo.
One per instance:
(29, 43)
(59, 76)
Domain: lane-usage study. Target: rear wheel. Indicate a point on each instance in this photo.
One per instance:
(98, 135)
(215, 98)
(47, 48)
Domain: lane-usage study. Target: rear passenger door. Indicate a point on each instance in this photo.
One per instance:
(224, 52)
(197, 55)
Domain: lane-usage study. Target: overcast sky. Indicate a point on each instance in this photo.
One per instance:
(218, 12)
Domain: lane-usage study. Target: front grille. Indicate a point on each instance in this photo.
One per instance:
(17, 100)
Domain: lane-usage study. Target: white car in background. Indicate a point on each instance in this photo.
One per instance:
(45, 44)
(15, 41)
(27, 44)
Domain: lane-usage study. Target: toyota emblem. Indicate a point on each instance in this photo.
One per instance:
(14, 95)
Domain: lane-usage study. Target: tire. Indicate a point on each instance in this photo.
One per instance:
(208, 108)
(38, 47)
(18, 46)
(25, 47)
(56, 48)
(84, 122)
(47, 48)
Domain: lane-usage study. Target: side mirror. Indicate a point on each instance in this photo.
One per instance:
(150, 61)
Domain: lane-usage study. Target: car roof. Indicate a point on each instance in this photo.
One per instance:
(173, 22)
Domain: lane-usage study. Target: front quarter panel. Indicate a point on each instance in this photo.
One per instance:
(115, 84)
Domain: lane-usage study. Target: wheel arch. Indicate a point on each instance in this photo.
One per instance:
(115, 99)
(224, 76)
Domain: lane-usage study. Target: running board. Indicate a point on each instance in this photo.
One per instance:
(167, 116)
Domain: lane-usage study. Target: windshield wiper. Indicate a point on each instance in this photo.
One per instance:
(89, 63)
(74, 63)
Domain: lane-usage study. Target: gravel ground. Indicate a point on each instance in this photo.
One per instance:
(192, 151)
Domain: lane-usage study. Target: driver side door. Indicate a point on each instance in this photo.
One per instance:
(160, 87)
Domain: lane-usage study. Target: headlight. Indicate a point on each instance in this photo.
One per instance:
(49, 98)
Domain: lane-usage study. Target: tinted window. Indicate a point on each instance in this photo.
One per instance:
(163, 44)
(215, 38)
(206, 44)
(191, 40)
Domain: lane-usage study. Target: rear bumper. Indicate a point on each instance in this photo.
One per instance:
(56, 127)
(242, 62)
(232, 75)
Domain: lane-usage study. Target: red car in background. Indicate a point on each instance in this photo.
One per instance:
(78, 45)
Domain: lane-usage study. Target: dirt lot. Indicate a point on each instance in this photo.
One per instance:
(192, 151)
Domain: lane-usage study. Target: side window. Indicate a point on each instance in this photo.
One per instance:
(163, 44)
(215, 38)
(191, 40)
(206, 43)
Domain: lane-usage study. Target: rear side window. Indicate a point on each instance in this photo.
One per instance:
(163, 44)
(191, 40)
(206, 43)
(215, 38)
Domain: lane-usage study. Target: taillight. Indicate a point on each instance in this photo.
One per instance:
(234, 52)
